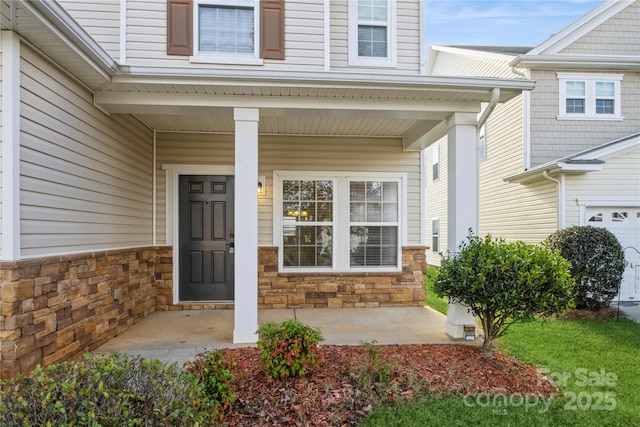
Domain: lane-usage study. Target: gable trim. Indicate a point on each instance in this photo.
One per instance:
(581, 27)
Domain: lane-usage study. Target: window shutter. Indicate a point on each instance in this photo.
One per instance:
(272, 29)
(179, 27)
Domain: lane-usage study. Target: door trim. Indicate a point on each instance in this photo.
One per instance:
(172, 175)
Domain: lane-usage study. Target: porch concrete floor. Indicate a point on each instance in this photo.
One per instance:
(177, 336)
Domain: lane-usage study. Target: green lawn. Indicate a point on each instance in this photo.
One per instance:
(597, 364)
(433, 301)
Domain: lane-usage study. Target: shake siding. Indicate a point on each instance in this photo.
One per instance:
(436, 202)
(619, 35)
(304, 37)
(293, 153)
(576, 135)
(85, 177)
(508, 210)
(100, 18)
(619, 180)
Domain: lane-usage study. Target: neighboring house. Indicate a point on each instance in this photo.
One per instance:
(566, 153)
(135, 136)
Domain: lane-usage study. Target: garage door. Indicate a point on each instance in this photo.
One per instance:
(624, 223)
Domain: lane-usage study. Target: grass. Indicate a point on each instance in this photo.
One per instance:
(433, 301)
(596, 364)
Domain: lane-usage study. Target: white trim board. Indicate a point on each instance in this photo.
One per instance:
(172, 195)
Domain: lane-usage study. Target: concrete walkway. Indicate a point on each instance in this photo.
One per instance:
(630, 309)
(177, 336)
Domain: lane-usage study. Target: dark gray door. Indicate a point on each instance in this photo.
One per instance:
(206, 238)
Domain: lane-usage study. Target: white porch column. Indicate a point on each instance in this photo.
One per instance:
(462, 207)
(246, 225)
(10, 171)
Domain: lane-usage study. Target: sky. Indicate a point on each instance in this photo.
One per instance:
(500, 23)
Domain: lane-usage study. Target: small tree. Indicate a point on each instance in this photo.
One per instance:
(597, 263)
(505, 282)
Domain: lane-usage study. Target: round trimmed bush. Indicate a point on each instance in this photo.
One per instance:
(597, 263)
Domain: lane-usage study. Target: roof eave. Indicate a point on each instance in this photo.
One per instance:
(556, 168)
(590, 62)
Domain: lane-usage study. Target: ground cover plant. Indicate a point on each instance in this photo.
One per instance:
(503, 283)
(113, 390)
(597, 263)
(595, 364)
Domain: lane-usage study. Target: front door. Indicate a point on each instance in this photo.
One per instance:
(206, 238)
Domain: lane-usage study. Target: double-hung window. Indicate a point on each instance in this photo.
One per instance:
(372, 33)
(435, 162)
(589, 96)
(225, 31)
(341, 222)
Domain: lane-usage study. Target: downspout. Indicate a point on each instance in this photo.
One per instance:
(495, 96)
(560, 202)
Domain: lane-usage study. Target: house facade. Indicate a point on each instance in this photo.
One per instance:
(566, 153)
(150, 162)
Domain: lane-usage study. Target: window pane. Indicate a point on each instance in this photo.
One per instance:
(575, 88)
(374, 212)
(372, 10)
(357, 212)
(226, 29)
(604, 106)
(605, 89)
(575, 106)
(374, 191)
(390, 191)
(374, 246)
(372, 41)
(309, 246)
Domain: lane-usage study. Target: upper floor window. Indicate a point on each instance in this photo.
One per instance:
(590, 96)
(482, 144)
(226, 31)
(372, 33)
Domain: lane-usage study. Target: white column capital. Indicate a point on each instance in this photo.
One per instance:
(462, 119)
(246, 114)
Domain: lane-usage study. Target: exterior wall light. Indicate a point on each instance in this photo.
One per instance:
(262, 186)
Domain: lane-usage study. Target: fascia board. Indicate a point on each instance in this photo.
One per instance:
(57, 20)
(552, 169)
(590, 62)
(582, 26)
(264, 78)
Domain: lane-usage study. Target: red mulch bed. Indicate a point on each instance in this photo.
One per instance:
(335, 395)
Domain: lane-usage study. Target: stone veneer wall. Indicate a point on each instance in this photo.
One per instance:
(305, 290)
(55, 308)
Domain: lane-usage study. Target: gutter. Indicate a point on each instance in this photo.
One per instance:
(561, 197)
(495, 97)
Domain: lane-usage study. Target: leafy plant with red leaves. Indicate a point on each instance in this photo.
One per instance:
(288, 349)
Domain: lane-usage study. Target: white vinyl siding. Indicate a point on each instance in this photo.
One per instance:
(284, 153)
(436, 202)
(576, 136)
(304, 38)
(99, 18)
(85, 177)
(618, 182)
(408, 38)
(509, 210)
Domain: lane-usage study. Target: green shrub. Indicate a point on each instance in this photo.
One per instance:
(215, 372)
(504, 282)
(372, 370)
(597, 263)
(113, 390)
(288, 349)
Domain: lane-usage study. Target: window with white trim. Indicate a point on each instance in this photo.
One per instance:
(226, 31)
(435, 162)
(372, 33)
(482, 144)
(350, 222)
(590, 96)
(435, 235)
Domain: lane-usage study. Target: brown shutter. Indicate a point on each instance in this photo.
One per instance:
(272, 29)
(179, 27)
